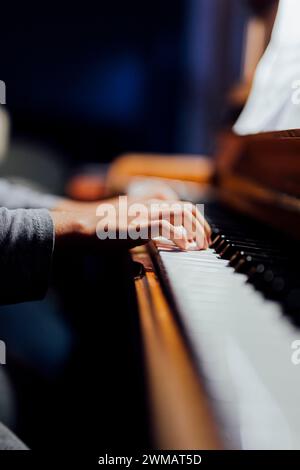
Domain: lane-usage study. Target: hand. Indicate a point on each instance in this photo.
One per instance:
(140, 189)
(134, 224)
(151, 188)
(70, 205)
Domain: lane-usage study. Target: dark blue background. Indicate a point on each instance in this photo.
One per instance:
(121, 75)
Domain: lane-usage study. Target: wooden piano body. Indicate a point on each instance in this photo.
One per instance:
(259, 176)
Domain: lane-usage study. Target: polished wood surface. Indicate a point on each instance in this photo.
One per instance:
(259, 175)
(189, 168)
(180, 411)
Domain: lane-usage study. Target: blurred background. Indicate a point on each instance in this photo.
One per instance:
(86, 83)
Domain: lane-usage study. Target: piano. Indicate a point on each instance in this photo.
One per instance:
(221, 327)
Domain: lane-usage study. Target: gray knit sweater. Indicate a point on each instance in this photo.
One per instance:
(26, 242)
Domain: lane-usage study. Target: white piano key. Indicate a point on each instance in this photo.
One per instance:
(242, 343)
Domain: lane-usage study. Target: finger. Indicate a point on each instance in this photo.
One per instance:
(165, 229)
(180, 214)
(178, 217)
(195, 231)
(198, 232)
(197, 213)
(203, 221)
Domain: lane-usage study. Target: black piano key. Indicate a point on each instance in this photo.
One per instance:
(271, 264)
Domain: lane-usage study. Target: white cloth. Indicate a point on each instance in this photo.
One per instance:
(274, 101)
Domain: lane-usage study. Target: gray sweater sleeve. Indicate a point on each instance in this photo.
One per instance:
(14, 196)
(26, 247)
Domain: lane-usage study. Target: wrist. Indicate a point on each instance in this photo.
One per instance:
(68, 225)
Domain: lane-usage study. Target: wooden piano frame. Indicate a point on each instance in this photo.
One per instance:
(258, 175)
(180, 412)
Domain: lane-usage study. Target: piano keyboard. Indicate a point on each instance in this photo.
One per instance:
(231, 300)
